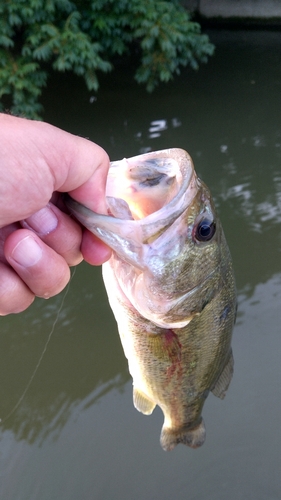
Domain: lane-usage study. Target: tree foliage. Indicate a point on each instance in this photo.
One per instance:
(84, 36)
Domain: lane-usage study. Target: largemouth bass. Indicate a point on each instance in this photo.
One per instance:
(170, 284)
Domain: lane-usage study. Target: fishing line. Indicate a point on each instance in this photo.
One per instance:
(2, 420)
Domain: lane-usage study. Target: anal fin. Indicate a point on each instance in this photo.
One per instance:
(224, 379)
(142, 403)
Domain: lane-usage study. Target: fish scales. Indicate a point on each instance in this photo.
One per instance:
(176, 368)
(171, 286)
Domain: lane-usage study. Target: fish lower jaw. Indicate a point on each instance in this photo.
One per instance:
(162, 319)
(163, 312)
(170, 324)
(190, 436)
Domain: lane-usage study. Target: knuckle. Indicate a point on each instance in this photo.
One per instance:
(15, 296)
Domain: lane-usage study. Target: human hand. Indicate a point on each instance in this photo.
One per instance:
(38, 239)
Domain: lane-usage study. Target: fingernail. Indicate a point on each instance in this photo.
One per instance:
(27, 252)
(42, 222)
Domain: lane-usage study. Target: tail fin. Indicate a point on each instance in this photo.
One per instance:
(194, 437)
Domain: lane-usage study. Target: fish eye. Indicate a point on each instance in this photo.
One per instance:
(205, 230)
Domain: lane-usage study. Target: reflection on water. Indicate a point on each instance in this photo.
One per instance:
(227, 116)
(156, 127)
(78, 365)
(259, 196)
(155, 130)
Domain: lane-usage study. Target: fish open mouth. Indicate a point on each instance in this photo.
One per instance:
(145, 195)
(146, 185)
(149, 182)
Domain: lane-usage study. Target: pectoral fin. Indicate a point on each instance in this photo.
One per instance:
(142, 403)
(224, 379)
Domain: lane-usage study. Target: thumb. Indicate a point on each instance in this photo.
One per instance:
(37, 159)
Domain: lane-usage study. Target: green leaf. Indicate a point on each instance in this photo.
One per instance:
(85, 36)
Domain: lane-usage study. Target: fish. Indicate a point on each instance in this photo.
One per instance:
(170, 283)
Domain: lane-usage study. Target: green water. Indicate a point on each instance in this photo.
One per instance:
(75, 434)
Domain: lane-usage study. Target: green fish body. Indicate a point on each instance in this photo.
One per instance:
(171, 286)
